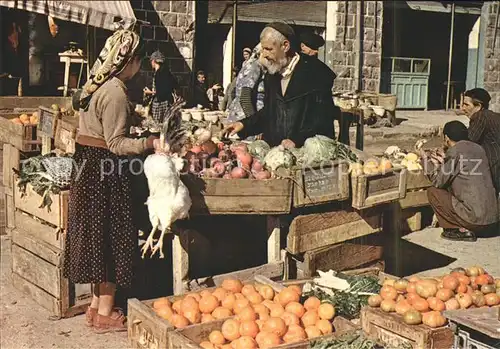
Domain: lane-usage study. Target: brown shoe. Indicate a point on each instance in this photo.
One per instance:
(90, 314)
(117, 322)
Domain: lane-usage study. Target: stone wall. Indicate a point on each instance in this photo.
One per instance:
(171, 30)
(492, 55)
(341, 55)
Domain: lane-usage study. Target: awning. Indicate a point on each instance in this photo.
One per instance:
(109, 15)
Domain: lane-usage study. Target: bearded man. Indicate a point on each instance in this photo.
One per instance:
(298, 101)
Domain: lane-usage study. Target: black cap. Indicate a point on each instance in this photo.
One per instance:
(311, 40)
(284, 29)
(480, 95)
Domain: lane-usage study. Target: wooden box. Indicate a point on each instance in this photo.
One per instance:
(308, 232)
(352, 254)
(239, 196)
(476, 328)
(22, 137)
(390, 329)
(58, 214)
(191, 336)
(416, 190)
(318, 185)
(369, 190)
(37, 262)
(65, 135)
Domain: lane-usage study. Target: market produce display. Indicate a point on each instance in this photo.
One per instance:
(25, 119)
(422, 300)
(352, 340)
(47, 174)
(410, 159)
(257, 316)
(209, 157)
(347, 293)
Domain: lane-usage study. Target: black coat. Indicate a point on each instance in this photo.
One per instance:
(165, 85)
(304, 111)
(198, 95)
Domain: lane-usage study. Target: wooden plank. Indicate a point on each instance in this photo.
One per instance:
(416, 180)
(274, 239)
(484, 320)
(308, 232)
(391, 329)
(38, 271)
(39, 248)
(34, 292)
(10, 219)
(229, 205)
(40, 231)
(271, 270)
(375, 189)
(65, 136)
(11, 159)
(22, 137)
(31, 202)
(339, 257)
(414, 199)
(238, 187)
(180, 261)
(323, 184)
(33, 102)
(145, 328)
(192, 336)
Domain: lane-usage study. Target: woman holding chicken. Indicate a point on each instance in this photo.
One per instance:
(101, 241)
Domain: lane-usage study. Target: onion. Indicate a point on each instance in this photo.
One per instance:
(227, 176)
(239, 146)
(257, 166)
(196, 149)
(219, 168)
(238, 172)
(202, 135)
(209, 147)
(244, 158)
(262, 174)
(212, 161)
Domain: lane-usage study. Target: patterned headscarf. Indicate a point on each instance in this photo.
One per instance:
(114, 57)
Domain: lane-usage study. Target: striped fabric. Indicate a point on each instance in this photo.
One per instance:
(109, 15)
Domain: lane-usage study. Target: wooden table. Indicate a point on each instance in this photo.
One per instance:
(348, 116)
(68, 58)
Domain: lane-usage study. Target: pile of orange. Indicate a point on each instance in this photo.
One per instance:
(422, 300)
(257, 316)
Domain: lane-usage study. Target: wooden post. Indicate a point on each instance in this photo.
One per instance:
(450, 57)
(235, 20)
(180, 261)
(274, 239)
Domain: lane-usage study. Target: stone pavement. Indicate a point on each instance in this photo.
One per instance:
(484, 252)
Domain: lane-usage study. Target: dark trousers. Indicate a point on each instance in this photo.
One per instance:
(440, 201)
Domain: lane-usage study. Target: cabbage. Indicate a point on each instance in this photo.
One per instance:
(320, 149)
(259, 149)
(279, 157)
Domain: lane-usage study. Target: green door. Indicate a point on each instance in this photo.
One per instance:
(409, 81)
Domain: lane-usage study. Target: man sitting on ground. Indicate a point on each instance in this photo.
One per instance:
(462, 197)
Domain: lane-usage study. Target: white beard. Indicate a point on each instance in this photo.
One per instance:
(273, 68)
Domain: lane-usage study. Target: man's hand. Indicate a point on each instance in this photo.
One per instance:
(148, 91)
(288, 144)
(232, 129)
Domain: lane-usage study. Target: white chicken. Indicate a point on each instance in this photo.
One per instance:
(169, 198)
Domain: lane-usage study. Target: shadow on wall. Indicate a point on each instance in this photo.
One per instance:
(170, 30)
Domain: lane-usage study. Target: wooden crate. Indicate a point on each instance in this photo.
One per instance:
(416, 190)
(58, 215)
(347, 255)
(37, 261)
(191, 336)
(148, 330)
(475, 328)
(65, 135)
(309, 232)
(370, 190)
(22, 137)
(239, 196)
(390, 329)
(319, 185)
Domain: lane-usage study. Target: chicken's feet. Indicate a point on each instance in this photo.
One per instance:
(159, 244)
(149, 242)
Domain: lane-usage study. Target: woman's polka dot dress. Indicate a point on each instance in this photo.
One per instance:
(101, 241)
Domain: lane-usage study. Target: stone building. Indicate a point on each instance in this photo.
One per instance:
(491, 45)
